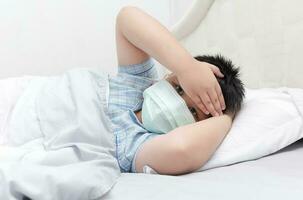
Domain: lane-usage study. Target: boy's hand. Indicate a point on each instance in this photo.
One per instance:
(201, 85)
(139, 35)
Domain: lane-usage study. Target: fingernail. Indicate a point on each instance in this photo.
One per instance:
(217, 114)
(207, 112)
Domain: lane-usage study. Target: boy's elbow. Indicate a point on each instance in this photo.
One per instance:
(127, 8)
(124, 11)
(187, 159)
(123, 16)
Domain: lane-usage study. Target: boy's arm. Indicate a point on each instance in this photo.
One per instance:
(127, 52)
(138, 36)
(186, 148)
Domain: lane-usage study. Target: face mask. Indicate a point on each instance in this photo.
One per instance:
(163, 109)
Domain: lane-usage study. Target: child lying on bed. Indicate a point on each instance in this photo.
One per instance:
(188, 147)
(141, 109)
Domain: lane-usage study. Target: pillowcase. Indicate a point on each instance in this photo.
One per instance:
(270, 119)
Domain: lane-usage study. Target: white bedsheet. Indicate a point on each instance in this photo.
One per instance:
(278, 176)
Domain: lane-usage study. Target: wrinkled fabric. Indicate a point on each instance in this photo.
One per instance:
(10, 89)
(125, 98)
(60, 144)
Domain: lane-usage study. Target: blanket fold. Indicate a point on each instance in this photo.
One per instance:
(61, 145)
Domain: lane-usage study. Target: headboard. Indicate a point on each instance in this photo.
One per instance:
(263, 38)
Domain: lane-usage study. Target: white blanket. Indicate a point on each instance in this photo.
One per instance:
(59, 143)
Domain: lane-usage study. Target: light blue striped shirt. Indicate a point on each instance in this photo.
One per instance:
(125, 98)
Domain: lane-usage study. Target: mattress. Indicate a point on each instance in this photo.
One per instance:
(277, 176)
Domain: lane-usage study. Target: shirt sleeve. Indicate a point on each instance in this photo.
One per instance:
(144, 69)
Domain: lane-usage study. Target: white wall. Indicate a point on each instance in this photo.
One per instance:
(49, 37)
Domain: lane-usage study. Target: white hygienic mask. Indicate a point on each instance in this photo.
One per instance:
(164, 109)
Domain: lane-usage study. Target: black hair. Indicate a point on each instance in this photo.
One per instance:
(231, 85)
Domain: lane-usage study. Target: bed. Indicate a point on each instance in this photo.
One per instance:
(264, 38)
(277, 176)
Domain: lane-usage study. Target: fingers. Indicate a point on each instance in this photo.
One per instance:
(215, 102)
(217, 71)
(201, 105)
(209, 105)
(220, 96)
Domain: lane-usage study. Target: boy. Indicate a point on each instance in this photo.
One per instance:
(73, 110)
(186, 146)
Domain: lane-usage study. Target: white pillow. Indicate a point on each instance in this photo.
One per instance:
(269, 120)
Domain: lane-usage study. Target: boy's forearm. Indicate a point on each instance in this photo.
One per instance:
(203, 138)
(149, 35)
